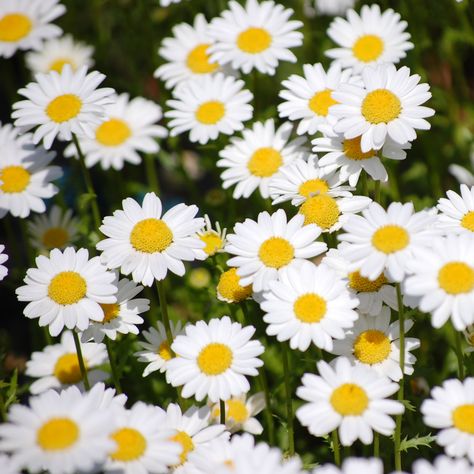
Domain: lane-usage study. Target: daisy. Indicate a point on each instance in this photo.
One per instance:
(208, 106)
(61, 433)
(253, 160)
(263, 248)
(65, 290)
(3, 259)
(166, 3)
(442, 465)
(369, 39)
(57, 52)
(214, 240)
(353, 466)
(451, 409)
(457, 211)
(350, 398)
(213, 359)
(7, 466)
(386, 240)
(463, 175)
(333, 7)
(388, 105)
(62, 104)
(130, 128)
(229, 288)
(146, 243)
(57, 366)
(256, 36)
(25, 24)
(308, 304)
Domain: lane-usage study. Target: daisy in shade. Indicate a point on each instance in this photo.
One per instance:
(166, 3)
(252, 161)
(130, 128)
(62, 104)
(369, 39)
(388, 105)
(442, 465)
(387, 241)
(308, 304)
(256, 36)
(213, 359)
(353, 466)
(353, 399)
(457, 211)
(66, 289)
(208, 106)
(451, 410)
(57, 52)
(463, 175)
(57, 366)
(229, 288)
(3, 259)
(333, 7)
(263, 248)
(146, 243)
(25, 24)
(214, 240)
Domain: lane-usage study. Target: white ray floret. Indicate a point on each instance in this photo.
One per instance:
(457, 211)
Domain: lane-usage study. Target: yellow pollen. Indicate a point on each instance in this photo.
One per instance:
(313, 186)
(372, 346)
(209, 113)
(14, 27)
(214, 359)
(151, 235)
(67, 369)
(237, 410)
(363, 285)
(321, 101)
(57, 434)
(186, 443)
(63, 108)
(198, 60)
(349, 400)
(55, 238)
(381, 106)
(164, 351)
(276, 252)
(390, 239)
(67, 288)
(14, 179)
(131, 445)
(468, 221)
(213, 242)
(310, 308)
(113, 132)
(456, 278)
(58, 65)
(230, 289)
(368, 48)
(254, 40)
(352, 150)
(321, 210)
(111, 311)
(264, 162)
(463, 418)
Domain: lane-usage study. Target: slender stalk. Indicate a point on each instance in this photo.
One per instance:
(401, 394)
(164, 311)
(377, 192)
(222, 411)
(335, 448)
(113, 366)
(376, 445)
(268, 408)
(289, 400)
(152, 177)
(459, 354)
(82, 366)
(365, 184)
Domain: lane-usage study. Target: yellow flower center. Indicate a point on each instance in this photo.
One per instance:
(468, 221)
(313, 186)
(368, 48)
(209, 113)
(64, 107)
(67, 369)
(186, 443)
(237, 410)
(215, 359)
(381, 106)
(230, 289)
(254, 40)
(213, 242)
(372, 346)
(310, 308)
(264, 162)
(111, 311)
(164, 351)
(198, 60)
(456, 278)
(67, 288)
(14, 27)
(349, 400)
(321, 210)
(390, 239)
(463, 418)
(321, 101)
(14, 179)
(352, 150)
(151, 235)
(363, 285)
(55, 238)
(58, 64)
(131, 445)
(113, 132)
(276, 252)
(57, 434)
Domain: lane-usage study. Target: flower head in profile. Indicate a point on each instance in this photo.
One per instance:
(214, 239)
(229, 288)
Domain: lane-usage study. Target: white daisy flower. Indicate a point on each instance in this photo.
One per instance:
(61, 433)
(256, 36)
(350, 398)
(213, 359)
(451, 409)
(214, 240)
(208, 106)
(229, 288)
(308, 304)
(353, 466)
(442, 465)
(463, 175)
(166, 3)
(369, 39)
(65, 290)
(333, 7)
(389, 105)
(61, 104)
(253, 160)
(3, 259)
(57, 366)
(130, 128)
(457, 211)
(25, 24)
(386, 240)
(55, 53)
(263, 248)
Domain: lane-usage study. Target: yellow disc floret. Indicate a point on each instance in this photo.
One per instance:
(237, 410)
(468, 221)
(131, 445)
(321, 210)
(368, 48)
(58, 64)
(276, 252)
(372, 347)
(113, 132)
(151, 235)
(14, 27)
(55, 238)
(215, 359)
(254, 40)
(111, 311)
(349, 400)
(456, 278)
(321, 101)
(63, 108)
(164, 351)
(390, 238)
(313, 186)
(265, 162)
(67, 288)
(211, 112)
(14, 179)
(213, 242)
(353, 151)
(57, 434)
(463, 418)
(310, 308)
(67, 369)
(363, 285)
(198, 60)
(230, 289)
(381, 106)
(186, 443)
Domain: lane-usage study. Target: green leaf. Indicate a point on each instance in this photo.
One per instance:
(416, 442)
(408, 405)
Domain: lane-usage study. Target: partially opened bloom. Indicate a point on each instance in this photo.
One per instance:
(214, 239)
(457, 211)
(353, 466)
(442, 465)
(229, 288)
(3, 259)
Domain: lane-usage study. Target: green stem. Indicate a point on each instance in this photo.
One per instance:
(113, 366)
(401, 394)
(268, 408)
(459, 354)
(289, 400)
(376, 445)
(152, 177)
(335, 448)
(377, 192)
(222, 411)
(164, 311)
(82, 366)
(365, 184)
